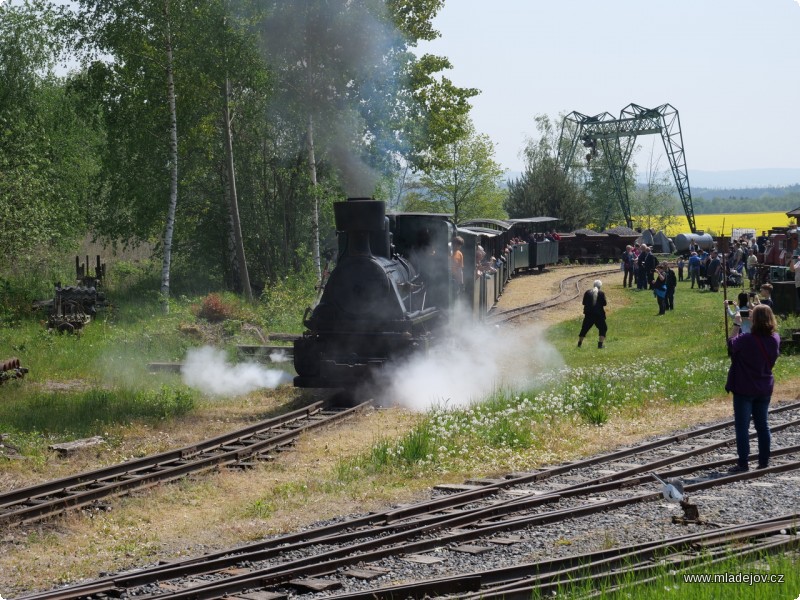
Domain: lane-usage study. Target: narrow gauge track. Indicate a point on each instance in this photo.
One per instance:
(234, 449)
(518, 503)
(611, 567)
(569, 289)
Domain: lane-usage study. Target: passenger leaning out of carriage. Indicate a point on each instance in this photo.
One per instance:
(457, 264)
(750, 379)
(594, 313)
(483, 266)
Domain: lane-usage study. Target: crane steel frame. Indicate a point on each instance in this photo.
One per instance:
(617, 137)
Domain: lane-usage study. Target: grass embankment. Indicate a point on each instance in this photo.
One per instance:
(655, 374)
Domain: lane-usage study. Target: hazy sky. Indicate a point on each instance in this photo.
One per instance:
(730, 67)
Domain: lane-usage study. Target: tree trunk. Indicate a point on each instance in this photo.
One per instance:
(173, 162)
(312, 172)
(233, 200)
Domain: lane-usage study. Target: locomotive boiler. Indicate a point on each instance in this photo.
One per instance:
(375, 306)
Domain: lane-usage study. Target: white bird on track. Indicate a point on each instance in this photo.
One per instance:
(672, 490)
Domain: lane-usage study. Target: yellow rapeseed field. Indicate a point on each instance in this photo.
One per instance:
(714, 223)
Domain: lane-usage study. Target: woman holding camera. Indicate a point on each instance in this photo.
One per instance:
(750, 379)
(745, 303)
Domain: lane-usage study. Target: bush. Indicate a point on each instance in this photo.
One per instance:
(215, 310)
(285, 300)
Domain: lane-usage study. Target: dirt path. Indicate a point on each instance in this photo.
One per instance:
(534, 287)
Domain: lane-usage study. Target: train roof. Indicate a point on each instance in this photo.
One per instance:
(420, 214)
(534, 220)
(504, 225)
(482, 231)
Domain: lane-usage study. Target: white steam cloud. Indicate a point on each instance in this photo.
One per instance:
(472, 361)
(208, 370)
(279, 356)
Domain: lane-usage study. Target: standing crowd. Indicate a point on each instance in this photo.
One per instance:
(753, 345)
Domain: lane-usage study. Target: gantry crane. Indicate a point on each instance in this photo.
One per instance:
(617, 137)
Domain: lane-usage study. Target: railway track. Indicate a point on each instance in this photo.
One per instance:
(569, 289)
(236, 449)
(613, 567)
(477, 520)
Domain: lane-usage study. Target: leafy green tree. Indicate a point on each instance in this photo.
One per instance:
(47, 144)
(175, 66)
(466, 181)
(544, 189)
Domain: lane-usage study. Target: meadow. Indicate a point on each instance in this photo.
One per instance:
(717, 222)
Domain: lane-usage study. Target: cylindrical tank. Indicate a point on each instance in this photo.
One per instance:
(683, 240)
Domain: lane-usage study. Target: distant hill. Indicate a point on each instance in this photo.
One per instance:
(789, 192)
(746, 178)
(726, 180)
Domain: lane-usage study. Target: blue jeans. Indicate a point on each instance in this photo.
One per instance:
(757, 407)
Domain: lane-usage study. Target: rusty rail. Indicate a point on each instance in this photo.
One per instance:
(45, 500)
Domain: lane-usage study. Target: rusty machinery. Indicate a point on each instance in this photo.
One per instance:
(72, 307)
(11, 369)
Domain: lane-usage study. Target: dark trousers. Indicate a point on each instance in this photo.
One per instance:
(694, 275)
(757, 407)
(597, 320)
(670, 299)
(641, 279)
(662, 304)
(627, 277)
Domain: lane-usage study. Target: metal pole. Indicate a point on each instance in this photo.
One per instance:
(725, 284)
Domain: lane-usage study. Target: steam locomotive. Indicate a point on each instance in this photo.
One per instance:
(392, 288)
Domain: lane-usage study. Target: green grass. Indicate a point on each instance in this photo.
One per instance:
(736, 580)
(90, 412)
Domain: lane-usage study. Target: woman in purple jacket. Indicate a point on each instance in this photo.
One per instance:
(750, 379)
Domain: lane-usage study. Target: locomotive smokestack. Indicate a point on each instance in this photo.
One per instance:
(358, 218)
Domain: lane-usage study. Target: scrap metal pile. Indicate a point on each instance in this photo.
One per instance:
(72, 307)
(11, 369)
